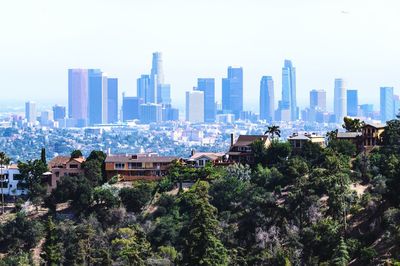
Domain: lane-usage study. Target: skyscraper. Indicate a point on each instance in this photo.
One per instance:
(150, 113)
(30, 112)
(156, 77)
(267, 101)
(164, 94)
(207, 86)
(59, 112)
(340, 102)
(112, 103)
(143, 88)
(97, 96)
(318, 100)
(289, 89)
(396, 105)
(352, 102)
(78, 94)
(386, 101)
(195, 106)
(232, 92)
(130, 108)
(367, 110)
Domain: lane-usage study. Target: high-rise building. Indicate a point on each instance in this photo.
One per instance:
(130, 108)
(164, 94)
(169, 113)
(289, 89)
(340, 102)
(156, 77)
(46, 117)
(195, 106)
(97, 96)
(207, 86)
(352, 103)
(112, 103)
(386, 102)
(30, 112)
(267, 100)
(78, 95)
(396, 105)
(232, 92)
(150, 113)
(367, 110)
(143, 88)
(59, 112)
(318, 100)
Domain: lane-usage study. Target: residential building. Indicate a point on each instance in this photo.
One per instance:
(112, 100)
(207, 86)
(232, 92)
(289, 89)
(352, 103)
(30, 112)
(150, 113)
(340, 102)
(12, 183)
(241, 150)
(386, 103)
(130, 108)
(200, 159)
(267, 100)
(298, 140)
(195, 106)
(78, 94)
(138, 166)
(372, 135)
(61, 166)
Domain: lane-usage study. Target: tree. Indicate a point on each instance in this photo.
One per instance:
(52, 247)
(4, 161)
(76, 154)
(345, 147)
(332, 135)
(202, 246)
(94, 168)
(134, 199)
(278, 152)
(43, 156)
(273, 131)
(341, 254)
(352, 125)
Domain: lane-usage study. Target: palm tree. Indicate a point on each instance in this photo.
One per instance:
(273, 131)
(4, 160)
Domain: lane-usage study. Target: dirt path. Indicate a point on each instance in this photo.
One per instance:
(36, 251)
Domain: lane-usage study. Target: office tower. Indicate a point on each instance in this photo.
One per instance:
(97, 88)
(386, 101)
(46, 117)
(232, 92)
(289, 89)
(396, 105)
(143, 88)
(59, 112)
(78, 94)
(150, 113)
(283, 112)
(267, 100)
(169, 113)
(207, 86)
(340, 102)
(130, 108)
(156, 77)
(112, 103)
(352, 102)
(195, 106)
(318, 100)
(164, 94)
(367, 110)
(30, 112)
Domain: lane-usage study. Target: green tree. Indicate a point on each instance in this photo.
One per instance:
(202, 246)
(43, 156)
(273, 131)
(76, 154)
(352, 125)
(94, 168)
(4, 161)
(134, 199)
(278, 152)
(52, 253)
(341, 254)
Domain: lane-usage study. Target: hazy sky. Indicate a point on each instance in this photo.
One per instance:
(358, 40)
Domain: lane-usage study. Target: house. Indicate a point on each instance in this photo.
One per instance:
(12, 184)
(241, 151)
(200, 159)
(138, 166)
(354, 137)
(298, 140)
(64, 166)
(372, 134)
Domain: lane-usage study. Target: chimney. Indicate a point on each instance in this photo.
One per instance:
(231, 139)
(192, 152)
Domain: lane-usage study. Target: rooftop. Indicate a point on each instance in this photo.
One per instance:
(246, 140)
(139, 158)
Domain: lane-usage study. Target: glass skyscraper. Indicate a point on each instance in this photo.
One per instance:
(156, 77)
(386, 102)
(78, 95)
(232, 92)
(112, 104)
(96, 96)
(207, 86)
(143, 88)
(340, 102)
(130, 108)
(318, 100)
(164, 94)
(267, 101)
(289, 89)
(352, 103)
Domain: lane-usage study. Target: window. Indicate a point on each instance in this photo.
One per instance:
(119, 166)
(4, 184)
(73, 166)
(298, 144)
(134, 165)
(17, 176)
(201, 162)
(57, 174)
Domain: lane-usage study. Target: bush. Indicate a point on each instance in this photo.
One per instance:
(367, 254)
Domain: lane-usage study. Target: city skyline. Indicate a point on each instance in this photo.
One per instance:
(319, 51)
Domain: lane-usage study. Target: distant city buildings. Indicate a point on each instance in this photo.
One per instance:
(339, 100)
(352, 103)
(59, 112)
(30, 112)
(387, 104)
(289, 90)
(267, 99)
(232, 92)
(195, 106)
(318, 100)
(143, 88)
(207, 86)
(78, 95)
(150, 113)
(130, 108)
(112, 100)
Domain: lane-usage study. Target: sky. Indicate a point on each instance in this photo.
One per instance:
(358, 40)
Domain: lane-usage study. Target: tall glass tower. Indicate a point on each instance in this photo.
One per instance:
(112, 97)
(156, 77)
(352, 103)
(289, 89)
(387, 101)
(207, 86)
(232, 92)
(97, 86)
(78, 94)
(267, 101)
(340, 102)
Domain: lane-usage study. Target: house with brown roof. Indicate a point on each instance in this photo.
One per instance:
(200, 159)
(241, 151)
(64, 166)
(138, 166)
